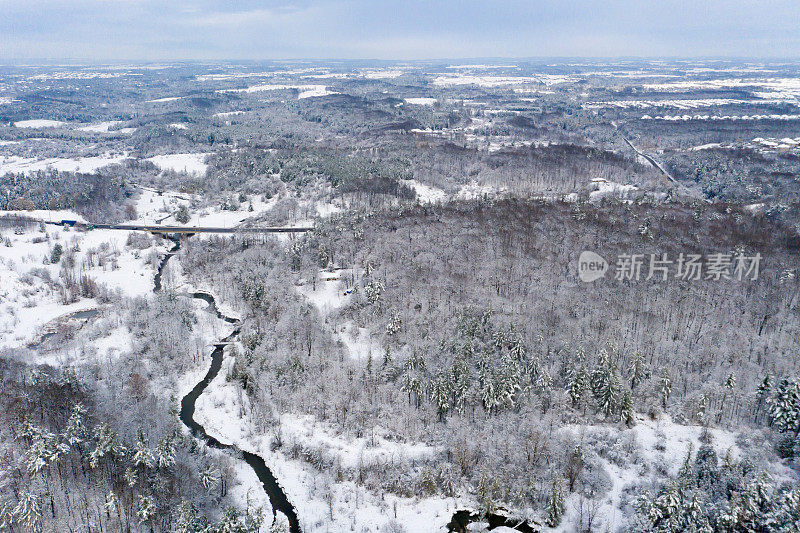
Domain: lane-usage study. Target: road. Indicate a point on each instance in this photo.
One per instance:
(194, 229)
(650, 159)
(179, 230)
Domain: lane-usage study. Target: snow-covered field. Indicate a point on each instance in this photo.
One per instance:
(380, 73)
(189, 163)
(420, 101)
(607, 188)
(29, 297)
(678, 104)
(160, 207)
(786, 143)
(425, 193)
(228, 114)
(101, 127)
(499, 81)
(39, 123)
(722, 117)
(304, 91)
(16, 164)
(323, 505)
(625, 454)
(787, 89)
(165, 99)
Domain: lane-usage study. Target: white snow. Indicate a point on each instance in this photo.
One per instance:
(499, 81)
(326, 209)
(29, 303)
(304, 91)
(420, 101)
(228, 114)
(101, 127)
(472, 191)
(226, 414)
(722, 117)
(479, 67)
(358, 341)
(658, 442)
(379, 74)
(189, 163)
(16, 164)
(327, 294)
(166, 99)
(610, 188)
(677, 104)
(425, 193)
(708, 146)
(39, 123)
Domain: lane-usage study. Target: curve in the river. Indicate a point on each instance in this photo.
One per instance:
(274, 491)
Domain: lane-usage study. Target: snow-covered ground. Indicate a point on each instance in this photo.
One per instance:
(786, 89)
(189, 163)
(678, 104)
(160, 207)
(165, 99)
(786, 143)
(101, 127)
(323, 505)
(473, 190)
(609, 188)
(228, 114)
(24, 165)
(304, 91)
(380, 73)
(39, 123)
(328, 293)
(425, 193)
(420, 101)
(722, 117)
(649, 442)
(30, 297)
(500, 81)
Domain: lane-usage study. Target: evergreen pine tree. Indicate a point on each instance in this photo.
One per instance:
(665, 388)
(627, 414)
(555, 506)
(638, 371)
(605, 384)
(784, 407)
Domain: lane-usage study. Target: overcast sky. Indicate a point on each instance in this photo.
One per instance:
(276, 29)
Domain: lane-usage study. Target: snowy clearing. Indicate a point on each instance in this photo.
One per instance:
(24, 165)
(420, 101)
(39, 123)
(304, 91)
(188, 163)
(425, 193)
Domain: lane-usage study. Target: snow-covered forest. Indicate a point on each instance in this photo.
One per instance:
(413, 345)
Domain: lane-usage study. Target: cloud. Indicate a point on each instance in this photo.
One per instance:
(414, 29)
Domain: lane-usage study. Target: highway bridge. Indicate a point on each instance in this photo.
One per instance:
(191, 230)
(158, 228)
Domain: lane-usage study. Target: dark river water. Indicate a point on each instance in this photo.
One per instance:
(459, 522)
(274, 491)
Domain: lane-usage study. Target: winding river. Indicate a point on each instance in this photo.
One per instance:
(276, 495)
(460, 521)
